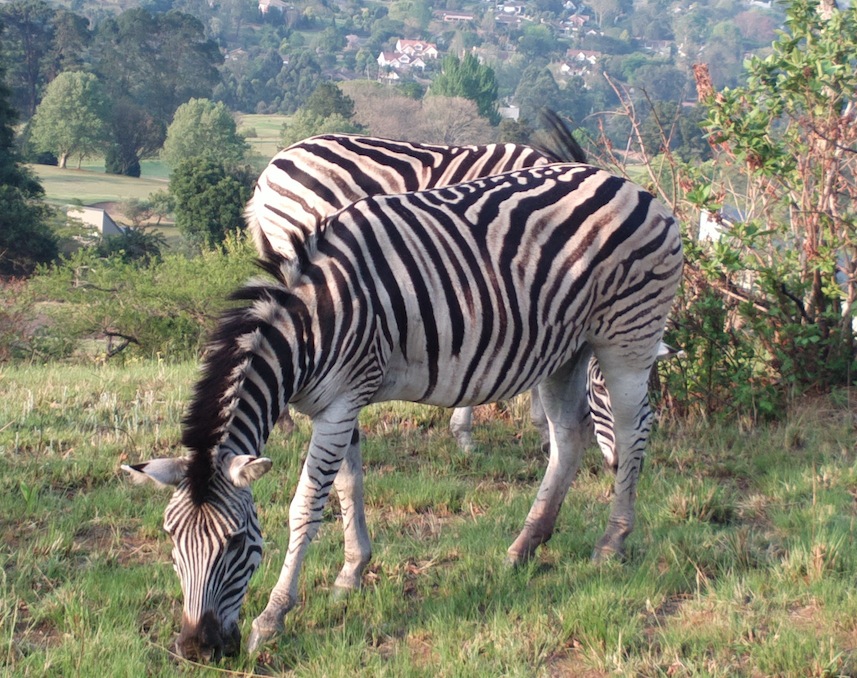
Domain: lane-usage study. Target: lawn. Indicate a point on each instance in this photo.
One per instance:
(742, 563)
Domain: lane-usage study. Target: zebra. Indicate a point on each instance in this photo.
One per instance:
(451, 296)
(316, 177)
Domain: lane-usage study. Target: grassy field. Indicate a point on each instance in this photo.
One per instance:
(743, 561)
(90, 184)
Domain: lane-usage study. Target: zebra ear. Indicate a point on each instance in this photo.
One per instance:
(166, 472)
(665, 352)
(245, 469)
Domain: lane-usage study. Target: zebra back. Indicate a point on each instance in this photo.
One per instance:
(317, 177)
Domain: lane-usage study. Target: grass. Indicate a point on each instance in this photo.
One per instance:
(742, 563)
(90, 184)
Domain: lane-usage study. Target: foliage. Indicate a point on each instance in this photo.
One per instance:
(328, 110)
(135, 243)
(787, 153)
(203, 129)
(26, 44)
(25, 237)
(136, 135)
(297, 81)
(305, 124)
(158, 61)
(140, 306)
(209, 200)
(469, 79)
(72, 117)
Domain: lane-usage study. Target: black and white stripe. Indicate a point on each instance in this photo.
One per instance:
(453, 296)
(317, 177)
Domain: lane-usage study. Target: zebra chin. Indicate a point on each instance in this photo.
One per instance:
(207, 641)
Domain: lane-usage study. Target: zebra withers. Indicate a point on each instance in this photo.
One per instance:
(453, 296)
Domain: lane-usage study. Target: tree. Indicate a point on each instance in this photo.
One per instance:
(327, 110)
(202, 128)
(469, 79)
(209, 201)
(453, 121)
(297, 81)
(327, 99)
(25, 237)
(26, 43)
(72, 117)
(786, 146)
(158, 61)
(136, 135)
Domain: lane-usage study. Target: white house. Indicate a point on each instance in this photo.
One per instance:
(95, 218)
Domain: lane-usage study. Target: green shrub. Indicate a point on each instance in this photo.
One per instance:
(110, 306)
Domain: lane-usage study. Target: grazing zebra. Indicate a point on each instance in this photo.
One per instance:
(452, 296)
(316, 177)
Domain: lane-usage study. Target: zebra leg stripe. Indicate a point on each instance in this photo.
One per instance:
(358, 548)
(331, 439)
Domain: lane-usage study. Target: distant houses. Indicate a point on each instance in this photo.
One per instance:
(408, 55)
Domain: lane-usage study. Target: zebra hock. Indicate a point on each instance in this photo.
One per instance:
(316, 177)
(455, 296)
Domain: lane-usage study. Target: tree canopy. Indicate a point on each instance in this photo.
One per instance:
(25, 238)
(202, 128)
(209, 201)
(469, 79)
(72, 117)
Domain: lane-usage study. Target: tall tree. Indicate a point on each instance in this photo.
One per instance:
(25, 237)
(209, 201)
(156, 62)
(26, 43)
(469, 79)
(72, 117)
(202, 128)
(136, 135)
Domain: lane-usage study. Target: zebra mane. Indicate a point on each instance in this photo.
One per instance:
(228, 355)
(560, 146)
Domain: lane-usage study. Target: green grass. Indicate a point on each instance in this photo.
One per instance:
(66, 186)
(90, 184)
(742, 563)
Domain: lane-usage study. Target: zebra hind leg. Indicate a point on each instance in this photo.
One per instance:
(358, 548)
(563, 396)
(461, 425)
(627, 386)
(539, 419)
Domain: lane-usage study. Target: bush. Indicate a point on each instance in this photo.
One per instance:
(129, 308)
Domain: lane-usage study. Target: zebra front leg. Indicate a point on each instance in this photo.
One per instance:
(461, 425)
(358, 548)
(329, 445)
(563, 396)
(632, 420)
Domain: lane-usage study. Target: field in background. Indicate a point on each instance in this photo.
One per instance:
(91, 184)
(742, 563)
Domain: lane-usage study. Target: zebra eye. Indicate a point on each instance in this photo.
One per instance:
(236, 540)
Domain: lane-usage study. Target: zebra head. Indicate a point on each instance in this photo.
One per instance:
(217, 546)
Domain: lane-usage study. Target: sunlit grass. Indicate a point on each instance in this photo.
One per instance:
(742, 563)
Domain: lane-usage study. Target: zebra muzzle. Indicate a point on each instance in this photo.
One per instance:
(207, 641)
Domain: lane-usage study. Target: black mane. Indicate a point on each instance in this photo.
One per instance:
(203, 425)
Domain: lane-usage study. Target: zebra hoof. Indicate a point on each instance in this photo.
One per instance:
(261, 633)
(341, 593)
